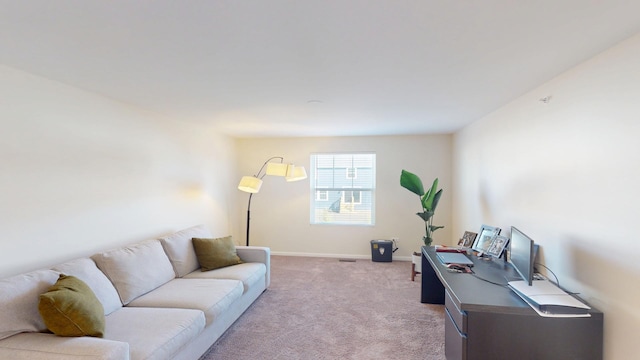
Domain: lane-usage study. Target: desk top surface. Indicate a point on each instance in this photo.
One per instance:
(486, 290)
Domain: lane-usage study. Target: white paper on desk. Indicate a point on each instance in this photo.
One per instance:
(549, 314)
(534, 307)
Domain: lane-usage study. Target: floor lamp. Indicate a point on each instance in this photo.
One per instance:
(252, 184)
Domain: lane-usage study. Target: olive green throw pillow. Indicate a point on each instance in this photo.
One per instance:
(215, 253)
(70, 308)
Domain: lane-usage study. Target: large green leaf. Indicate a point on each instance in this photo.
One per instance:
(436, 199)
(425, 215)
(411, 182)
(435, 227)
(425, 198)
(427, 201)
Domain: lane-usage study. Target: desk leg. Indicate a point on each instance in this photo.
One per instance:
(432, 288)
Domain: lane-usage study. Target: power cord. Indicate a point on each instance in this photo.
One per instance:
(489, 281)
(557, 282)
(552, 273)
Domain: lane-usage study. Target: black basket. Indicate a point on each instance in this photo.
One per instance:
(382, 250)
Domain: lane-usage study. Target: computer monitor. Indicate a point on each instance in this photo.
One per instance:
(521, 254)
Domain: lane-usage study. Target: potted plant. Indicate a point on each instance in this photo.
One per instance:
(428, 202)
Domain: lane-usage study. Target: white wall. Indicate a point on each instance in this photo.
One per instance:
(80, 173)
(567, 173)
(280, 211)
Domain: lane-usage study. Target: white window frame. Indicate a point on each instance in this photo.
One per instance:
(338, 175)
(322, 195)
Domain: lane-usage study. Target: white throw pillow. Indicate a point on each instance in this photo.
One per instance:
(86, 270)
(19, 296)
(179, 249)
(135, 270)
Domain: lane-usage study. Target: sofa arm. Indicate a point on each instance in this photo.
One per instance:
(257, 254)
(27, 346)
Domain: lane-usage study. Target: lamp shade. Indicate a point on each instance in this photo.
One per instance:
(298, 173)
(277, 169)
(250, 184)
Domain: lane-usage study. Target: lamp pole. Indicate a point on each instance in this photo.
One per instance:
(257, 175)
(248, 217)
(252, 184)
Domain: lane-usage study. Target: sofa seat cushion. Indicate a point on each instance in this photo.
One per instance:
(154, 333)
(51, 347)
(19, 299)
(248, 273)
(212, 296)
(137, 269)
(86, 270)
(179, 249)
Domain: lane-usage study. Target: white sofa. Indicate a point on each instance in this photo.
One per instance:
(158, 304)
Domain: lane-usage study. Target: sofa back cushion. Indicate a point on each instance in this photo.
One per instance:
(86, 270)
(19, 299)
(179, 249)
(135, 270)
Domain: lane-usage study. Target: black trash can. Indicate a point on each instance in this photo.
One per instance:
(381, 250)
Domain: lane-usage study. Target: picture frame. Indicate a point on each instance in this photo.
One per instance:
(485, 237)
(497, 246)
(467, 239)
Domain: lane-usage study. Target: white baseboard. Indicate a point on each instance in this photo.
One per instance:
(337, 256)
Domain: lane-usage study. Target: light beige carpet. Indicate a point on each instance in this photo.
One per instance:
(321, 308)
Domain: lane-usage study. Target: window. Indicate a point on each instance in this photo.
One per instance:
(351, 197)
(343, 189)
(322, 195)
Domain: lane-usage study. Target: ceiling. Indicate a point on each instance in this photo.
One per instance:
(311, 67)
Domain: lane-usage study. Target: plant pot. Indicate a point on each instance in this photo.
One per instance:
(416, 258)
(416, 264)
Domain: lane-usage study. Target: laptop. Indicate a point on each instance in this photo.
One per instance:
(454, 258)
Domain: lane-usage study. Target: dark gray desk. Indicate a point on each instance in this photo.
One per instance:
(489, 321)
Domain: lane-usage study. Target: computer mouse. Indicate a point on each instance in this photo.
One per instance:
(457, 267)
